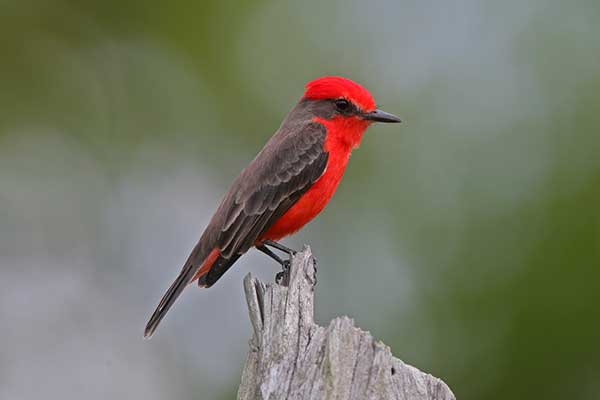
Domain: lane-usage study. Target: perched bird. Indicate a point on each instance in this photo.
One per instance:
(286, 185)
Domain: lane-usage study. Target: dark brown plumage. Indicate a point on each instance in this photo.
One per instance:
(286, 185)
(289, 163)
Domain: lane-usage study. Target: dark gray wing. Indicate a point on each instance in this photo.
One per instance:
(280, 174)
(291, 161)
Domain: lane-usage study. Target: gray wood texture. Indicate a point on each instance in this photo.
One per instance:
(293, 358)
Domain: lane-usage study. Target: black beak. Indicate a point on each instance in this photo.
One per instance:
(381, 116)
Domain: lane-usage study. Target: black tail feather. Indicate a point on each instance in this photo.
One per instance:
(186, 274)
(218, 268)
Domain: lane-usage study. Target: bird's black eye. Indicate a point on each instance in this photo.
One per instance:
(342, 105)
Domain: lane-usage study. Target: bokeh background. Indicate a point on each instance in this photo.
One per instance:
(466, 238)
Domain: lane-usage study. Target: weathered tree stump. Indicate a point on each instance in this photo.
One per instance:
(293, 358)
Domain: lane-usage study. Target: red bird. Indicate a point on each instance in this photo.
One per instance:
(286, 185)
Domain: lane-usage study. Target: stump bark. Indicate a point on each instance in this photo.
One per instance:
(293, 358)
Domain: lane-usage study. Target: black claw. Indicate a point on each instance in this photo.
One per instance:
(279, 277)
(283, 276)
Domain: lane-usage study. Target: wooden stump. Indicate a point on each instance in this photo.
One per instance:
(293, 358)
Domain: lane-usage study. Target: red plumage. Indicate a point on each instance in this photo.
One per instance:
(342, 137)
(331, 87)
(288, 183)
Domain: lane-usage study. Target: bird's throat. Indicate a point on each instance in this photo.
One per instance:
(343, 133)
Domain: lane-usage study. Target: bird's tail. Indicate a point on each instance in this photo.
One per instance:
(191, 271)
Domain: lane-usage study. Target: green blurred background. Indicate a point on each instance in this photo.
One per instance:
(466, 238)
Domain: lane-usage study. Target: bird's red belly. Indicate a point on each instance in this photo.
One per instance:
(313, 201)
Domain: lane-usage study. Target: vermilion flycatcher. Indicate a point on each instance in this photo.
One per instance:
(286, 185)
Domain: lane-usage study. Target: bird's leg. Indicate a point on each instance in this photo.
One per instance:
(285, 249)
(280, 277)
(285, 264)
(280, 247)
(265, 249)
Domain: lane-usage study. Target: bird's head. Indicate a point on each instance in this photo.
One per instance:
(347, 98)
(344, 104)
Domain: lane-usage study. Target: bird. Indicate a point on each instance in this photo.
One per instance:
(285, 186)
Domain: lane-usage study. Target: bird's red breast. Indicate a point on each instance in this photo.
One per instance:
(343, 135)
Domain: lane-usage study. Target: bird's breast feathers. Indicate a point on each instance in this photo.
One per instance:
(316, 198)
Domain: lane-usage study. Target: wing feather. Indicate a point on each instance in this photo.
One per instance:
(283, 171)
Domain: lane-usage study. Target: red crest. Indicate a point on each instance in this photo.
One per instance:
(333, 87)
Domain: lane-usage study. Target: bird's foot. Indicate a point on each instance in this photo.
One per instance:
(283, 276)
